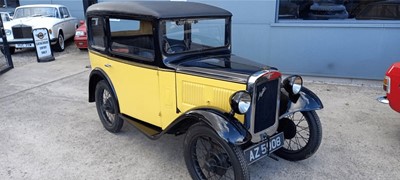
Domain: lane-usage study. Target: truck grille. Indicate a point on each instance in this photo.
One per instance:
(22, 32)
(266, 94)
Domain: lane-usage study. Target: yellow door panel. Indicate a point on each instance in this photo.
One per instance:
(195, 91)
(167, 97)
(137, 88)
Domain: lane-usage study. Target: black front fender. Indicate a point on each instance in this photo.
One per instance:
(226, 126)
(306, 100)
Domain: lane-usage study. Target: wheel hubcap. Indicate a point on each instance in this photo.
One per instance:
(211, 160)
(61, 41)
(217, 163)
(108, 107)
(288, 127)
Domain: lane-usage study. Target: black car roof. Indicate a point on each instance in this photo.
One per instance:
(157, 9)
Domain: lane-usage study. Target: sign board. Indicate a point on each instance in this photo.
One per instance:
(41, 40)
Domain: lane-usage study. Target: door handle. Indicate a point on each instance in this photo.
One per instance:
(107, 65)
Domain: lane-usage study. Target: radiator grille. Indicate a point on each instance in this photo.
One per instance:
(22, 32)
(266, 104)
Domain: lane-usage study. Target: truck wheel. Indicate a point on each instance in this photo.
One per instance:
(60, 45)
(107, 107)
(303, 134)
(208, 156)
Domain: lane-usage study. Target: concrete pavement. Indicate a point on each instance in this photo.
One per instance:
(48, 130)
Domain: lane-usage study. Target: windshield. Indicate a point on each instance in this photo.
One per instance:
(185, 35)
(35, 11)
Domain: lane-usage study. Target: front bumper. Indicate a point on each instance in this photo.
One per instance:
(383, 100)
(13, 42)
(81, 42)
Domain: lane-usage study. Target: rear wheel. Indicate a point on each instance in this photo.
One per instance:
(207, 156)
(107, 107)
(303, 134)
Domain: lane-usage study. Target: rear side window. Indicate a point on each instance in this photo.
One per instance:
(132, 38)
(97, 38)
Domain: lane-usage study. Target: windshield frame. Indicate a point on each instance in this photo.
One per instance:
(18, 10)
(187, 34)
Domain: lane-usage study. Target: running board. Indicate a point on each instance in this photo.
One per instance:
(151, 131)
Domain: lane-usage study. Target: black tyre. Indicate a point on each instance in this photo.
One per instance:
(207, 156)
(12, 50)
(107, 107)
(303, 135)
(60, 45)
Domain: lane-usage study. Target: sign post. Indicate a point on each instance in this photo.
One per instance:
(41, 40)
(6, 51)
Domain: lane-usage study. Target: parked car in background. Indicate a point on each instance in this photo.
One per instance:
(56, 18)
(5, 16)
(9, 9)
(391, 84)
(167, 68)
(80, 38)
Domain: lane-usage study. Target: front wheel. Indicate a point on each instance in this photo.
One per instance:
(303, 135)
(207, 156)
(60, 45)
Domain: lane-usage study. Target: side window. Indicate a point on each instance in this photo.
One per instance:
(132, 38)
(97, 37)
(66, 12)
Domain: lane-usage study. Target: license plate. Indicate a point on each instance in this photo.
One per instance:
(264, 148)
(25, 45)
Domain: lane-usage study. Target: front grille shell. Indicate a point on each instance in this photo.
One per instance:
(262, 117)
(22, 32)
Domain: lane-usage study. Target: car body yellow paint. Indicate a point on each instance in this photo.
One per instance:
(136, 87)
(153, 95)
(194, 91)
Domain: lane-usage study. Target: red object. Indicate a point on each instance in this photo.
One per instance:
(393, 87)
(80, 38)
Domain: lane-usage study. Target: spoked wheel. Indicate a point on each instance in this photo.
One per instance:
(207, 156)
(107, 107)
(303, 134)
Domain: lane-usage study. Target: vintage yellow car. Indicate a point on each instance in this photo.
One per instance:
(167, 68)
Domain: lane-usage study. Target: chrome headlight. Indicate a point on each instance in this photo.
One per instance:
(8, 32)
(240, 102)
(293, 84)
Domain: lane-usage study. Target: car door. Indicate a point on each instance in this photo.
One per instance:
(67, 23)
(132, 69)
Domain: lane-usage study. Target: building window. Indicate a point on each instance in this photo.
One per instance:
(339, 10)
(132, 38)
(97, 31)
